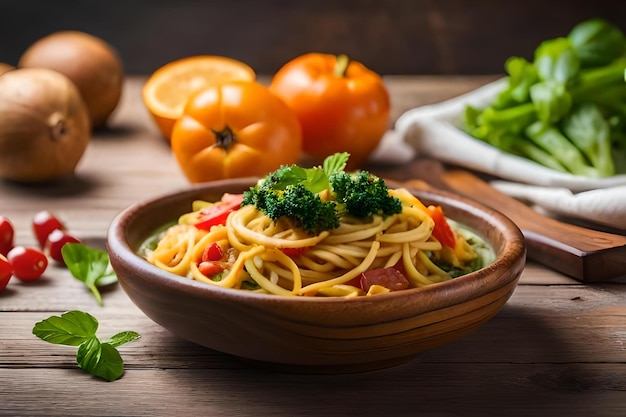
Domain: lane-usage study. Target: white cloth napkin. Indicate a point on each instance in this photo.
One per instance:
(605, 206)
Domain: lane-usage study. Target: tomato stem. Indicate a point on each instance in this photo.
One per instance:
(341, 66)
(224, 138)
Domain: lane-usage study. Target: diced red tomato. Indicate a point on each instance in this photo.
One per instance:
(235, 199)
(400, 267)
(209, 269)
(294, 252)
(217, 213)
(442, 231)
(355, 282)
(212, 252)
(389, 278)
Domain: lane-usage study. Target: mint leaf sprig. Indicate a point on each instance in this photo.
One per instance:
(313, 179)
(78, 328)
(90, 266)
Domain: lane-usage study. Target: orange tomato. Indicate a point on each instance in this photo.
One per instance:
(342, 105)
(235, 129)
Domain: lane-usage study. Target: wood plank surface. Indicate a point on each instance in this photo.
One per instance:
(557, 347)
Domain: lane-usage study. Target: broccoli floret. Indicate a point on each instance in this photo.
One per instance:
(363, 194)
(305, 208)
(293, 192)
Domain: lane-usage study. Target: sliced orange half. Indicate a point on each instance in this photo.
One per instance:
(167, 90)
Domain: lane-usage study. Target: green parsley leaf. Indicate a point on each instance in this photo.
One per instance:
(316, 180)
(335, 163)
(89, 265)
(78, 328)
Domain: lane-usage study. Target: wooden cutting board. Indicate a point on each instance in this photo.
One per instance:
(584, 254)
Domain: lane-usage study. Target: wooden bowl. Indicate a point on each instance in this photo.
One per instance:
(315, 334)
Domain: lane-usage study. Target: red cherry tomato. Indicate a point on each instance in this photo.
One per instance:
(7, 233)
(5, 272)
(28, 264)
(55, 242)
(44, 223)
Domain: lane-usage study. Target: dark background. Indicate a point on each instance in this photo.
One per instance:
(389, 36)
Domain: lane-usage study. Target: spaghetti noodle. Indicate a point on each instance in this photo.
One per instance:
(259, 254)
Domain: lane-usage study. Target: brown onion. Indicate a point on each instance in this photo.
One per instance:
(5, 68)
(45, 126)
(90, 62)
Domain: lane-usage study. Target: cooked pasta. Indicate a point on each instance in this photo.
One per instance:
(277, 257)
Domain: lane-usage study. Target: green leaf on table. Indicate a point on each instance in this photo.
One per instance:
(89, 265)
(78, 328)
(71, 328)
(123, 338)
(100, 359)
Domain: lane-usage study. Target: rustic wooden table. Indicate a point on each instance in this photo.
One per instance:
(557, 348)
